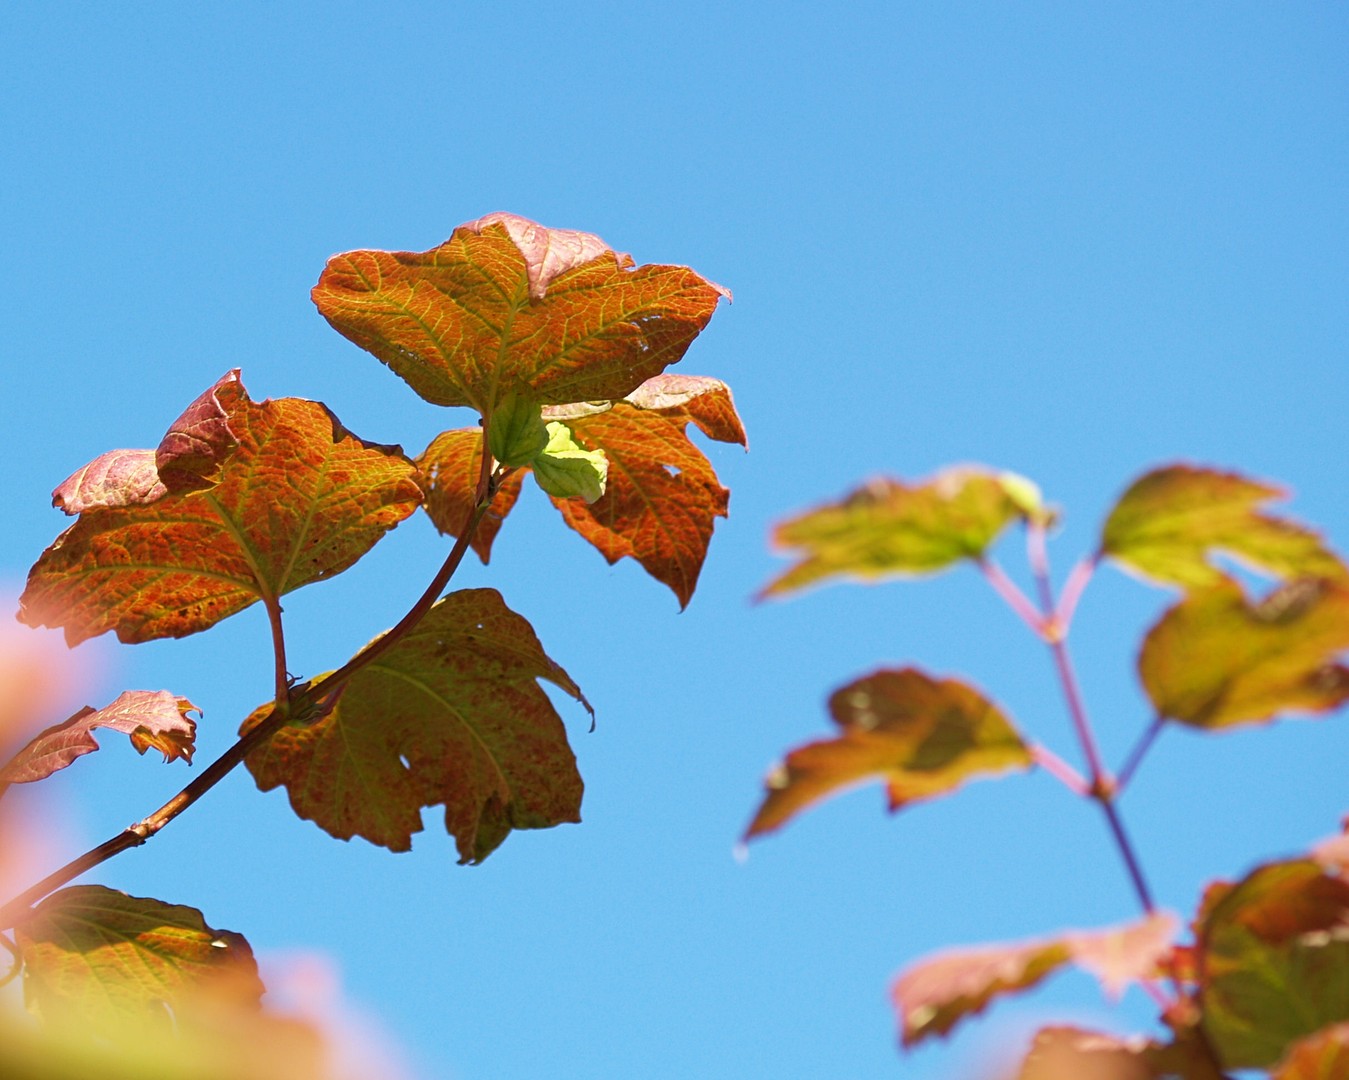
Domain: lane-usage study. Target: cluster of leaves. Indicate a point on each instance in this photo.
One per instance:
(560, 346)
(1264, 981)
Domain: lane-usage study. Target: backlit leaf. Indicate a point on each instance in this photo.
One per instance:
(935, 994)
(567, 470)
(1273, 953)
(924, 737)
(299, 499)
(99, 959)
(1170, 522)
(450, 469)
(453, 713)
(1216, 659)
(508, 306)
(152, 718)
(887, 527)
(662, 496)
(1320, 1056)
(1069, 1053)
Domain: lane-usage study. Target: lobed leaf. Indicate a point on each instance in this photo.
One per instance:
(935, 994)
(1216, 659)
(152, 718)
(887, 527)
(924, 737)
(101, 960)
(507, 306)
(450, 469)
(299, 499)
(453, 714)
(1272, 955)
(1169, 523)
(1323, 1055)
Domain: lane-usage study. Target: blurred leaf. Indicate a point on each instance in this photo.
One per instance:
(299, 499)
(1170, 522)
(453, 713)
(887, 528)
(935, 994)
(1215, 659)
(924, 737)
(1273, 954)
(1323, 1055)
(450, 469)
(1070, 1053)
(98, 960)
(508, 306)
(150, 717)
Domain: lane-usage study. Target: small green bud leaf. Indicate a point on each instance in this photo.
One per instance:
(515, 431)
(565, 470)
(1026, 497)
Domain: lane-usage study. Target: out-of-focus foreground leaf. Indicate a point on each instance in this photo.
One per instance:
(887, 527)
(1273, 952)
(152, 718)
(935, 994)
(1070, 1053)
(299, 499)
(924, 737)
(453, 713)
(1215, 659)
(1320, 1056)
(1169, 522)
(506, 306)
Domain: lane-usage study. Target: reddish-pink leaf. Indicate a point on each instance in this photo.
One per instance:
(663, 496)
(453, 714)
(450, 467)
(507, 306)
(299, 499)
(924, 737)
(934, 995)
(152, 718)
(1323, 1055)
(188, 458)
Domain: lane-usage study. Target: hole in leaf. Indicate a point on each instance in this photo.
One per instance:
(673, 470)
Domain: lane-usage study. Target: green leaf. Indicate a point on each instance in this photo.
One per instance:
(1273, 958)
(566, 470)
(100, 960)
(299, 499)
(924, 737)
(1215, 659)
(517, 433)
(453, 714)
(1171, 521)
(887, 528)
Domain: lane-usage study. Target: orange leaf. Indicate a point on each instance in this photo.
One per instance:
(1215, 659)
(152, 718)
(451, 714)
(1323, 1055)
(1068, 1053)
(450, 469)
(299, 499)
(923, 736)
(663, 496)
(508, 306)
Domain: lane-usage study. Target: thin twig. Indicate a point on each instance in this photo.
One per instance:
(1072, 592)
(1015, 598)
(1060, 769)
(1139, 751)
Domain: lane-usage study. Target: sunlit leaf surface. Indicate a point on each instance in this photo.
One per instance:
(450, 469)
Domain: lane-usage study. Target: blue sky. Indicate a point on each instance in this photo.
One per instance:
(1071, 240)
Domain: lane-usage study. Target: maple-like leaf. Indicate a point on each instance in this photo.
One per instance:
(935, 994)
(923, 736)
(1216, 659)
(887, 528)
(299, 499)
(1323, 1055)
(1272, 955)
(454, 714)
(152, 718)
(507, 306)
(100, 960)
(1171, 521)
(450, 467)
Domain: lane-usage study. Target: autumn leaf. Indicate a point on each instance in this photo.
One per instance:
(935, 994)
(450, 469)
(453, 714)
(299, 499)
(1272, 955)
(924, 737)
(887, 528)
(1323, 1055)
(152, 718)
(98, 959)
(1170, 522)
(1216, 659)
(662, 497)
(1060, 1052)
(507, 306)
